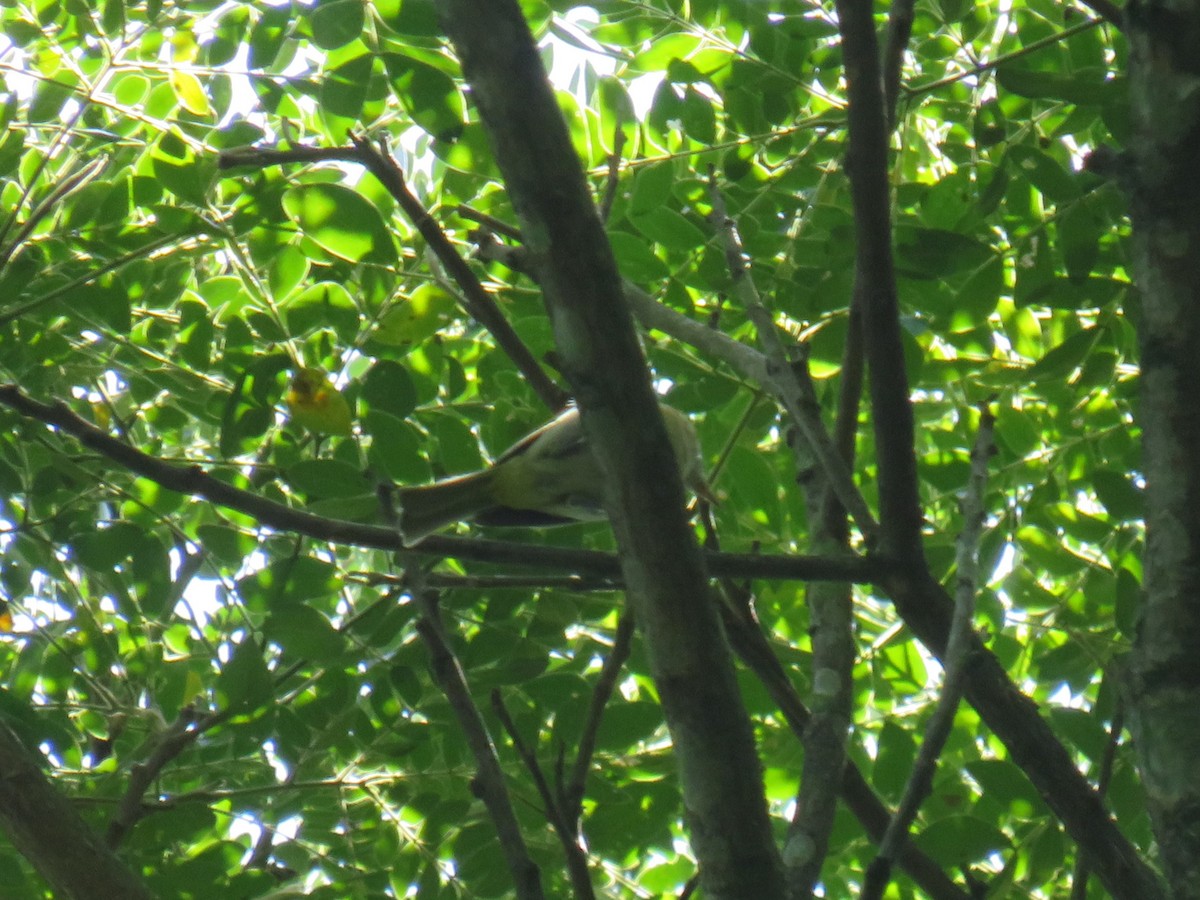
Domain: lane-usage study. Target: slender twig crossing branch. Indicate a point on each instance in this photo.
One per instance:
(564, 828)
(478, 302)
(488, 784)
(958, 648)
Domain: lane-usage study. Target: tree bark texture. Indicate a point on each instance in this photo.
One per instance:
(1163, 185)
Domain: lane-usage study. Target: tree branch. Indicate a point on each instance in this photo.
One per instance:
(756, 653)
(479, 303)
(664, 571)
(867, 161)
(572, 792)
(44, 827)
(927, 609)
(577, 863)
(900, 22)
(488, 784)
(192, 480)
(177, 737)
(920, 780)
(830, 619)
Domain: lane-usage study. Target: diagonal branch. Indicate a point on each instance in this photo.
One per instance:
(479, 303)
(488, 784)
(755, 651)
(177, 737)
(958, 645)
(571, 794)
(47, 830)
(720, 774)
(577, 863)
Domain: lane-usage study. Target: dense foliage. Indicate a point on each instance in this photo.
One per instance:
(166, 299)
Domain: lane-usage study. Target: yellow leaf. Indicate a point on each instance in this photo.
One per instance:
(190, 93)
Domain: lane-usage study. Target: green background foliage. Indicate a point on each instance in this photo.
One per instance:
(165, 300)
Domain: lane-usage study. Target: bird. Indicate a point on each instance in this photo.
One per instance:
(549, 477)
(316, 405)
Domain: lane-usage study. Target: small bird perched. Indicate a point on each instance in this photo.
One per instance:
(316, 405)
(549, 477)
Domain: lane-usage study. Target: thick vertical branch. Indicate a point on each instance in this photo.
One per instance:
(664, 571)
(45, 828)
(875, 279)
(1165, 203)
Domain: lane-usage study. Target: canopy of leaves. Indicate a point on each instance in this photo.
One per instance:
(166, 300)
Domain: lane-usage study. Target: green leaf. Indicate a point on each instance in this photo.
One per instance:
(1045, 173)
(1079, 234)
(652, 187)
(957, 841)
(894, 759)
(244, 683)
(324, 304)
(305, 634)
(667, 227)
(227, 544)
(389, 388)
(935, 253)
(321, 478)
(181, 172)
(429, 95)
(340, 221)
(344, 89)
(396, 449)
(336, 23)
(635, 259)
(1061, 361)
(1117, 492)
(103, 548)
(1083, 87)
(190, 93)
(289, 581)
(423, 314)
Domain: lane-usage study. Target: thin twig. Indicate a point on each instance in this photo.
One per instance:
(797, 395)
(613, 181)
(488, 784)
(451, 581)
(958, 648)
(917, 90)
(178, 736)
(499, 226)
(577, 863)
(571, 794)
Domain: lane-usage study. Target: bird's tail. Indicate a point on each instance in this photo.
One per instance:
(427, 508)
